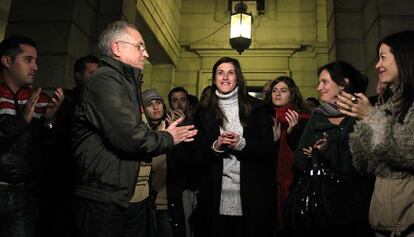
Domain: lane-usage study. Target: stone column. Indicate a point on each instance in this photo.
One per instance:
(64, 31)
(4, 14)
(355, 27)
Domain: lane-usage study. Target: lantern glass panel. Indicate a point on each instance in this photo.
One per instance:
(240, 25)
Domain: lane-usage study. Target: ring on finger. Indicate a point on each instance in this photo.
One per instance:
(354, 100)
(349, 108)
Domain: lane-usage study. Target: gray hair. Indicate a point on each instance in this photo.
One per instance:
(113, 32)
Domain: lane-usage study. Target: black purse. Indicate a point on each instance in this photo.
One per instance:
(320, 198)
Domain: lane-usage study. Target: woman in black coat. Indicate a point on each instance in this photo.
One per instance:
(234, 154)
(325, 142)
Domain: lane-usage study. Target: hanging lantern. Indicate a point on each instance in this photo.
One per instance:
(240, 28)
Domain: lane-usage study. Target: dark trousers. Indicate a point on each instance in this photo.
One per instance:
(163, 224)
(18, 211)
(230, 226)
(94, 219)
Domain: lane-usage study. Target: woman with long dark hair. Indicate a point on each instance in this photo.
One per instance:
(291, 115)
(234, 153)
(382, 142)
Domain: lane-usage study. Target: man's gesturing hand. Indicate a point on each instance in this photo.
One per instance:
(182, 133)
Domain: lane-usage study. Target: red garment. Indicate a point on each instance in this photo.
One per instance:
(9, 100)
(284, 169)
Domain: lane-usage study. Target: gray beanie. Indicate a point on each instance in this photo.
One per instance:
(150, 94)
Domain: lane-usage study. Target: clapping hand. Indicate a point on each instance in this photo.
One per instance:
(293, 118)
(54, 105)
(357, 106)
(227, 139)
(174, 115)
(29, 107)
(319, 144)
(276, 129)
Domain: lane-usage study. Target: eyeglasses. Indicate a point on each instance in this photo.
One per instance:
(140, 47)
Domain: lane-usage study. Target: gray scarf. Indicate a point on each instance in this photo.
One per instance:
(330, 110)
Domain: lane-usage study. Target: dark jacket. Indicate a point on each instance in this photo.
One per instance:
(22, 144)
(257, 172)
(336, 156)
(171, 174)
(177, 160)
(110, 137)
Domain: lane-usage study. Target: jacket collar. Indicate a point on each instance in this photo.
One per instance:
(126, 70)
(323, 122)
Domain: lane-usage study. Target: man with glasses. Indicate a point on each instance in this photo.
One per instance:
(112, 143)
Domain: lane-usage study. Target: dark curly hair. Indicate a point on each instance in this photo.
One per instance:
(296, 97)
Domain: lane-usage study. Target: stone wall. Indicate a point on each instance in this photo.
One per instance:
(186, 37)
(64, 31)
(4, 14)
(355, 27)
(290, 38)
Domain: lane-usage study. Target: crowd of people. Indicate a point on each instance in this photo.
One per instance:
(107, 159)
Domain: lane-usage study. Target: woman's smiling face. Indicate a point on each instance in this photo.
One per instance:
(225, 78)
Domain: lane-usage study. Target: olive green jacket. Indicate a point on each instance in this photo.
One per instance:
(109, 136)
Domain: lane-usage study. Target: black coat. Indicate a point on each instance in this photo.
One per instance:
(257, 172)
(177, 159)
(337, 157)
